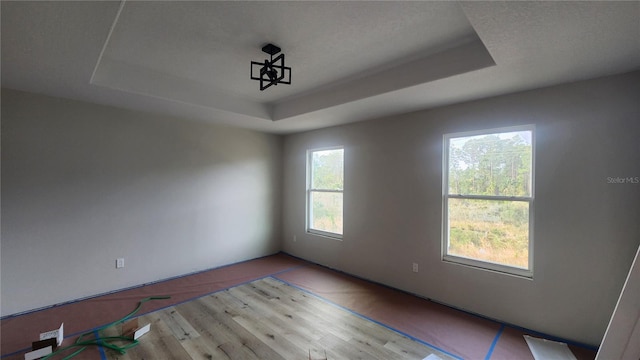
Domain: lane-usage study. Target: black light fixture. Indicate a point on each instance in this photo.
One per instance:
(271, 71)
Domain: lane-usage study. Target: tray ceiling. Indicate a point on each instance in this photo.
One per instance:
(350, 61)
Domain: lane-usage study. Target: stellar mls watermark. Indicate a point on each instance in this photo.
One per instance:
(623, 180)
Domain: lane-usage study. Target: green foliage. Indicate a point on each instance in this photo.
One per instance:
(490, 165)
(327, 174)
(490, 230)
(327, 169)
(327, 212)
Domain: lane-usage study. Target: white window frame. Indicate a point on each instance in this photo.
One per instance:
(310, 190)
(482, 264)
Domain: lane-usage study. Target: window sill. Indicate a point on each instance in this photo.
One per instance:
(488, 266)
(325, 234)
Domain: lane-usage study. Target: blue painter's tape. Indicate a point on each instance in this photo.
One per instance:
(29, 348)
(163, 308)
(142, 285)
(103, 356)
(493, 344)
(17, 352)
(516, 327)
(553, 338)
(368, 318)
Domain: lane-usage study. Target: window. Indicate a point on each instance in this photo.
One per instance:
(325, 184)
(488, 199)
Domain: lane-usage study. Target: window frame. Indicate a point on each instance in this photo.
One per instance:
(310, 190)
(476, 263)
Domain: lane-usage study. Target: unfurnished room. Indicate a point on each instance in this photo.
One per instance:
(322, 180)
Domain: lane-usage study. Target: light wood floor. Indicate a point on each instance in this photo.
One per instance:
(267, 319)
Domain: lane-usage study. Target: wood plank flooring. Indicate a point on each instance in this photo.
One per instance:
(267, 320)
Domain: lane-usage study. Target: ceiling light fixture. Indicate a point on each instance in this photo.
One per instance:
(271, 72)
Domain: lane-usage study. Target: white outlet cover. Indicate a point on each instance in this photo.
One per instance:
(57, 334)
(143, 330)
(37, 354)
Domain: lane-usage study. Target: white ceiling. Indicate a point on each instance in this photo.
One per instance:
(350, 60)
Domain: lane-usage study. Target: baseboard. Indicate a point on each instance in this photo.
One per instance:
(129, 288)
(498, 321)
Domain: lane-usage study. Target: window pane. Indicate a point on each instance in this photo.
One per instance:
(327, 169)
(496, 164)
(490, 230)
(326, 212)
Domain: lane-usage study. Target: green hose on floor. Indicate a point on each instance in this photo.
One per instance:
(105, 342)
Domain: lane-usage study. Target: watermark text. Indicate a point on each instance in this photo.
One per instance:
(623, 180)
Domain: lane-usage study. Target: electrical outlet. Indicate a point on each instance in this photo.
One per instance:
(294, 238)
(119, 263)
(415, 267)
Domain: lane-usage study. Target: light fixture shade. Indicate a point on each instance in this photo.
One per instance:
(271, 71)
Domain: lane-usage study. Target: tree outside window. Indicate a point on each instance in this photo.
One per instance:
(488, 199)
(325, 187)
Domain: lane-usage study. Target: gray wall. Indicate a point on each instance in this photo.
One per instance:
(586, 229)
(84, 184)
